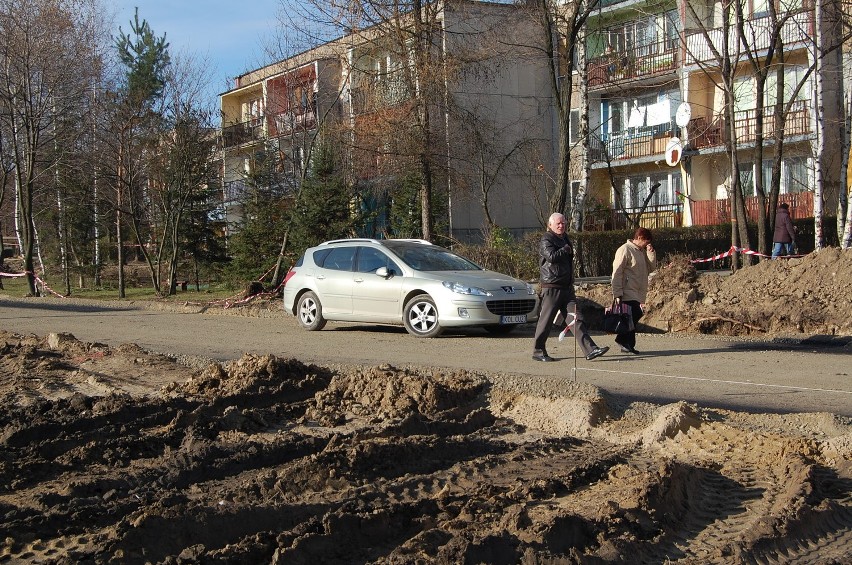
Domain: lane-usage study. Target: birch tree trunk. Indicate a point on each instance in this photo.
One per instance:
(819, 144)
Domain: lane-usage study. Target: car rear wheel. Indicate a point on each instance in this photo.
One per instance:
(421, 317)
(310, 312)
(500, 329)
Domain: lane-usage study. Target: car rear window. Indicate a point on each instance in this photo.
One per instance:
(338, 259)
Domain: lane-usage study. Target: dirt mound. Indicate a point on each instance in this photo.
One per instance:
(269, 460)
(806, 295)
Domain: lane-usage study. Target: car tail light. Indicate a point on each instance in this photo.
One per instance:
(289, 274)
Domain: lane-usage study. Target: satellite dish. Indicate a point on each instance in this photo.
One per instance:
(683, 114)
(674, 151)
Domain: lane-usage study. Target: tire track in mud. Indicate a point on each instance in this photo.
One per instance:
(749, 507)
(269, 460)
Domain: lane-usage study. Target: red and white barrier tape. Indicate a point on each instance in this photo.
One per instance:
(36, 277)
(743, 250)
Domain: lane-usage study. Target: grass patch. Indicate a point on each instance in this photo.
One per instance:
(17, 287)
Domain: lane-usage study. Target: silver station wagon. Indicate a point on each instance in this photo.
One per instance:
(425, 287)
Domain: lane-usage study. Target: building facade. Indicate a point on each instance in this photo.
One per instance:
(485, 99)
(660, 75)
(671, 93)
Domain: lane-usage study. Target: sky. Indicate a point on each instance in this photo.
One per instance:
(229, 33)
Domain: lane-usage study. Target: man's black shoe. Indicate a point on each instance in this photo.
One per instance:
(627, 349)
(596, 352)
(542, 357)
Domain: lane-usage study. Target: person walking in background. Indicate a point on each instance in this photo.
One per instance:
(556, 265)
(784, 238)
(634, 261)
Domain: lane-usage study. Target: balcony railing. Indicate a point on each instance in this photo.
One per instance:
(704, 213)
(705, 132)
(639, 62)
(654, 217)
(242, 132)
(233, 190)
(714, 212)
(376, 94)
(287, 122)
(797, 30)
(632, 143)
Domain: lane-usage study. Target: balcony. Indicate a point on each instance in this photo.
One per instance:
(288, 122)
(374, 94)
(707, 132)
(233, 191)
(243, 132)
(714, 212)
(654, 217)
(633, 143)
(796, 31)
(640, 62)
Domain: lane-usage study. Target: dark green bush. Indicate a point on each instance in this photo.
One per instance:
(595, 250)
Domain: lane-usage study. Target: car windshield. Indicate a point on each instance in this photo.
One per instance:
(423, 257)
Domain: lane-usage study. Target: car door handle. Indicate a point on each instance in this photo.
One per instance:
(359, 280)
(321, 277)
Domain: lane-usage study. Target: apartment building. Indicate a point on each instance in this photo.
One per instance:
(489, 111)
(269, 117)
(658, 114)
(655, 80)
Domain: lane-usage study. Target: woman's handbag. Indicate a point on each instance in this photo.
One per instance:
(618, 319)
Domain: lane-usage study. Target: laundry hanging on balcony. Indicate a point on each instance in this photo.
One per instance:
(637, 116)
(659, 113)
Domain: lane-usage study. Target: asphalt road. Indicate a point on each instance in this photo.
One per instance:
(811, 375)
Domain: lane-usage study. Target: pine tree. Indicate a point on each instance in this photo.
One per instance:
(326, 208)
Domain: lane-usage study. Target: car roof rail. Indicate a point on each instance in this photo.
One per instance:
(412, 240)
(352, 240)
(369, 240)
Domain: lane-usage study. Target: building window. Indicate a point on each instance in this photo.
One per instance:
(574, 127)
(795, 175)
(747, 178)
(636, 189)
(744, 94)
(253, 110)
(650, 35)
(644, 115)
(745, 89)
(760, 8)
(793, 75)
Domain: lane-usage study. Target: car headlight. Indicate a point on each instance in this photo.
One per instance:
(530, 289)
(464, 289)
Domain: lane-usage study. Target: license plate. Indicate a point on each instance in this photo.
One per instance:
(521, 319)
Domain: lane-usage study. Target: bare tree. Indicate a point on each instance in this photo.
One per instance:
(564, 28)
(42, 77)
(7, 167)
(180, 169)
(144, 57)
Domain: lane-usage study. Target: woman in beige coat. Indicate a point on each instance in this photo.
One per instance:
(634, 261)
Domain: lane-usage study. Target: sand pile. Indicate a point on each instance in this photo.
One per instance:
(269, 460)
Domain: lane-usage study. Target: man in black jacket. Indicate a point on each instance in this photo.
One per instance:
(556, 263)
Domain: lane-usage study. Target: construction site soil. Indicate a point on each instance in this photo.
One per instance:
(121, 455)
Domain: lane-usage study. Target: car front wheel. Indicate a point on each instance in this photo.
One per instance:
(421, 317)
(310, 312)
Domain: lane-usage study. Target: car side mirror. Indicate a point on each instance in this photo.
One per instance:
(384, 272)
